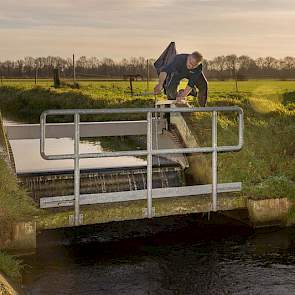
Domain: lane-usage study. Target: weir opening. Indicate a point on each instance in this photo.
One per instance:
(106, 180)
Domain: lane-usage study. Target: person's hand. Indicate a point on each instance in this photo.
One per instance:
(179, 96)
(180, 99)
(158, 88)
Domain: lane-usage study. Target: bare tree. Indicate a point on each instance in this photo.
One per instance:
(220, 67)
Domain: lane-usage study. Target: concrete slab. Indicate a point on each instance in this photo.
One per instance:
(102, 213)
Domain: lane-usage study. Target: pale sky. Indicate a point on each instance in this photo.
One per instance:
(125, 28)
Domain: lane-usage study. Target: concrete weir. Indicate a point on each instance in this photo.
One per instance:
(120, 211)
(270, 212)
(107, 180)
(18, 236)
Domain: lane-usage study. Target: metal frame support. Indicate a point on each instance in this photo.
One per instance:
(214, 161)
(77, 169)
(149, 165)
(72, 219)
(149, 152)
(145, 212)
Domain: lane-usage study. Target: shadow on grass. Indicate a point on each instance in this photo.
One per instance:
(289, 100)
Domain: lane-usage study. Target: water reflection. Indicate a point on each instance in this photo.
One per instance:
(28, 159)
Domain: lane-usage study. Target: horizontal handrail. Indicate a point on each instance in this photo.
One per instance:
(140, 110)
(141, 152)
(123, 196)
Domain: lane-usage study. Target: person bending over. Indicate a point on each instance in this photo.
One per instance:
(187, 66)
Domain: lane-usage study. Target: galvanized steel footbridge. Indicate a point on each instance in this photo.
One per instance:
(154, 123)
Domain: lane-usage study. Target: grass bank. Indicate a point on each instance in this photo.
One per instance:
(11, 267)
(266, 164)
(24, 100)
(26, 104)
(15, 206)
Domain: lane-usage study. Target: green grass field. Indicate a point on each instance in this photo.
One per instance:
(15, 205)
(101, 94)
(251, 87)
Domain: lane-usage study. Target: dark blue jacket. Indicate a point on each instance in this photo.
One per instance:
(180, 71)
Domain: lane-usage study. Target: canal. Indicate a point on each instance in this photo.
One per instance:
(195, 254)
(171, 255)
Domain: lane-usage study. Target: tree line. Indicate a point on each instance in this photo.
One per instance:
(221, 67)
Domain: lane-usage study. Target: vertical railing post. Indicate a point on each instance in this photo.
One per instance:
(42, 135)
(149, 166)
(214, 161)
(241, 129)
(77, 169)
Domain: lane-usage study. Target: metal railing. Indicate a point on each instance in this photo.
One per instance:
(149, 152)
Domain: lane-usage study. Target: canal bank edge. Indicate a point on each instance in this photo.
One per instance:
(17, 232)
(130, 210)
(14, 234)
(5, 148)
(7, 287)
(262, 212)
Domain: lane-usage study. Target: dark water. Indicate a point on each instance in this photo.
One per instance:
(176, 255)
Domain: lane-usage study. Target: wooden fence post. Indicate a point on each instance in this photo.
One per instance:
(56, 79)
(148, 75)
(131, 87)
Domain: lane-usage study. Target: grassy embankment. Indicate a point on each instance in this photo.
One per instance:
(15, 206)
(11, 267)
(266, 165)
